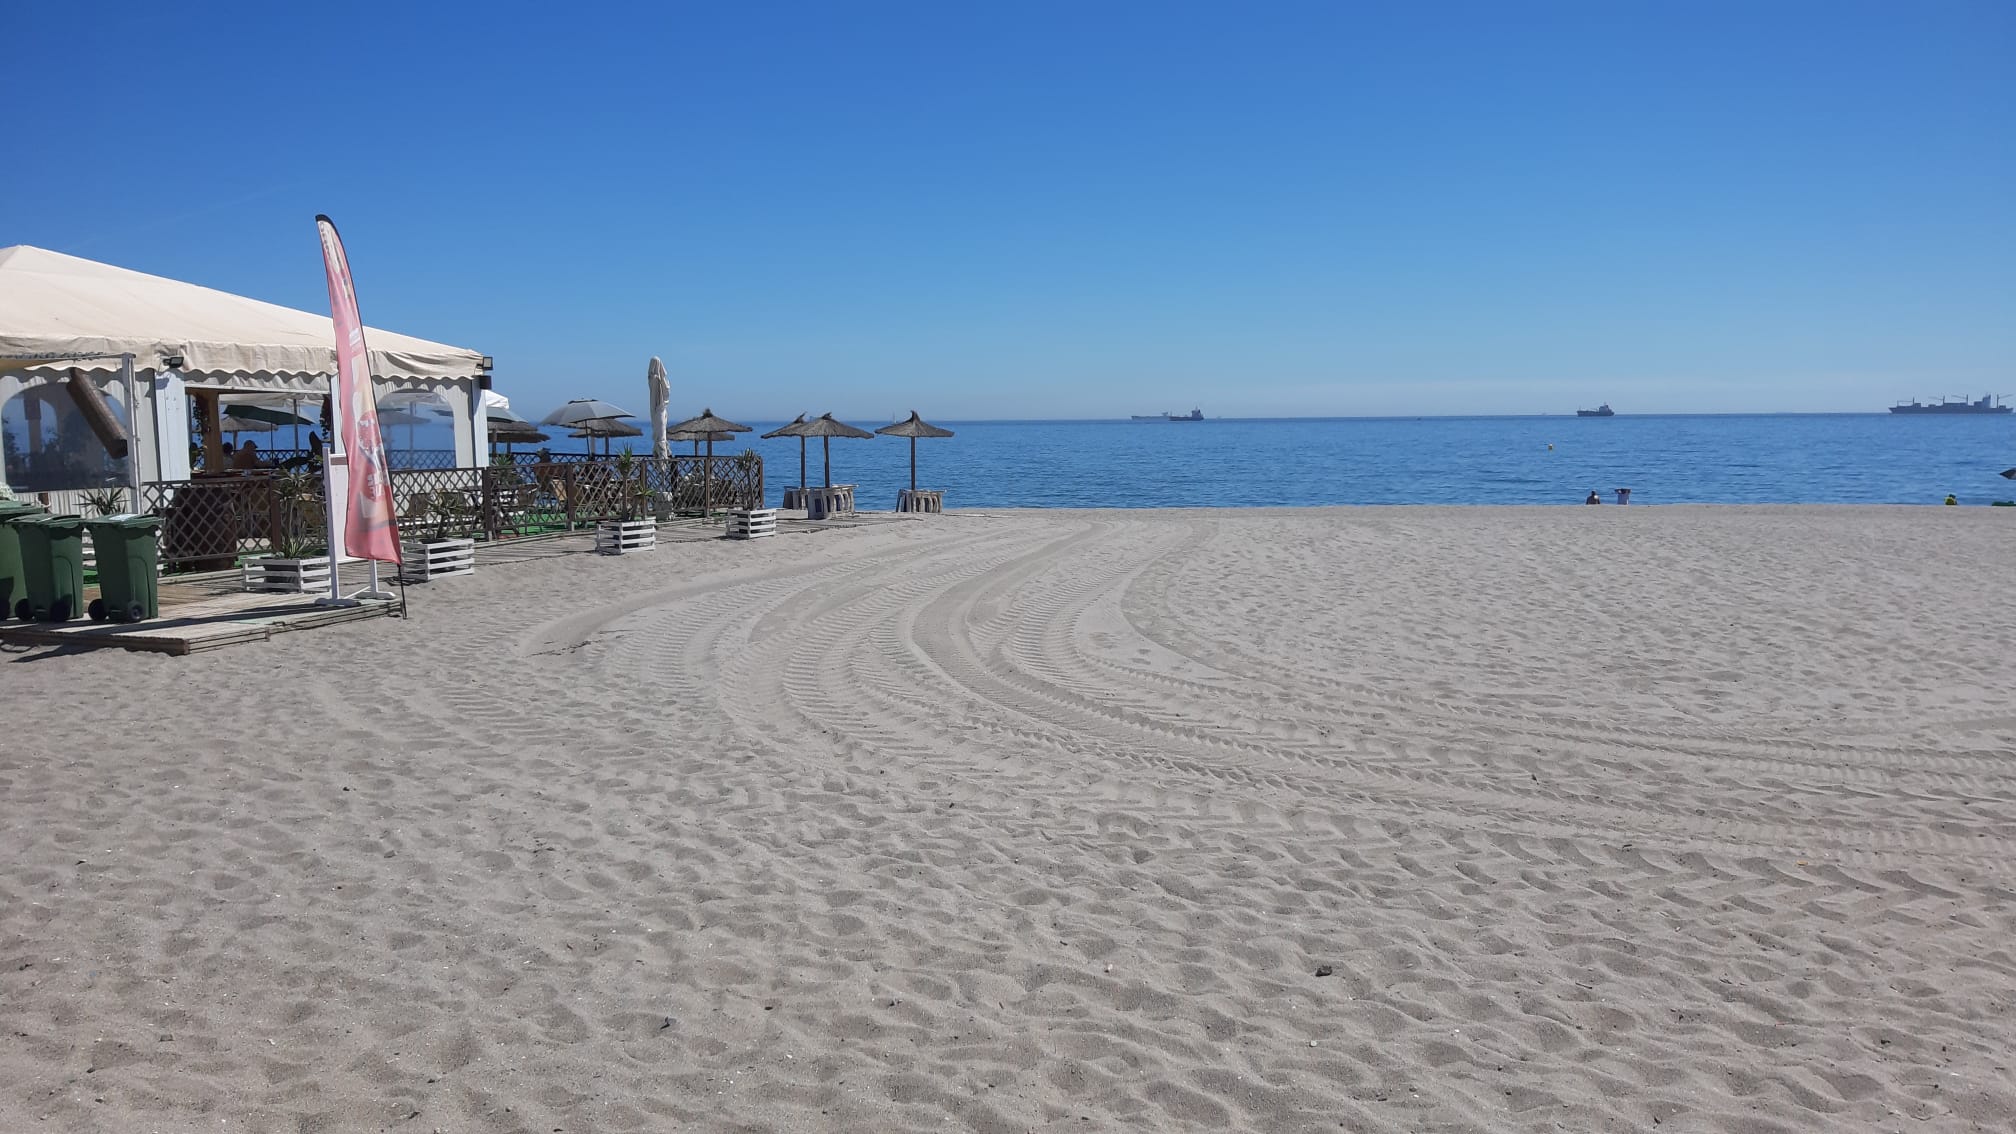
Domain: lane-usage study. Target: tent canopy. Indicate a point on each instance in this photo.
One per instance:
(59, 311)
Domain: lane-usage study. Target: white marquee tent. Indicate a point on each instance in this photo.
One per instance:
(60, 312)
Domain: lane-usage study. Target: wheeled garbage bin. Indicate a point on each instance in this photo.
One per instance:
(52, 562)
(129, 552)
(13, 584)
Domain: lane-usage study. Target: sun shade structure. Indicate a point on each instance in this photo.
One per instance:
(233, 424)
(706, 425)
(191, 343)
(252, 411)
(509, 433)
(582, 410)
(592, 418)
(391, 416)
(696, 438)
(793, 428)
(606, 428)
(54, 306)
(913, 428)
(826, 429)
(660, 388)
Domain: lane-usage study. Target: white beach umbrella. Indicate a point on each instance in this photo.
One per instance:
(661, 401)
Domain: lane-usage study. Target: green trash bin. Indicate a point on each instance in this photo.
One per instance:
(129, 550)
(52, 562)
(13, 584)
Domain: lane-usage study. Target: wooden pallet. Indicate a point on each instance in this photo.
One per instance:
(192, 626)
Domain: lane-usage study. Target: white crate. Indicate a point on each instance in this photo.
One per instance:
(625, 537)
(428, 560)
(752, 523)
(295, 576)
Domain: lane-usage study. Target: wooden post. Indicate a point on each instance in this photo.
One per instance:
(31, 408)
(210, 415)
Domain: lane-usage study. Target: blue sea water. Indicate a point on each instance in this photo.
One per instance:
(1806, 458)
(1727, 459)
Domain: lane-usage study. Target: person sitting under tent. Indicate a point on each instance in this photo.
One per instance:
(247, 457)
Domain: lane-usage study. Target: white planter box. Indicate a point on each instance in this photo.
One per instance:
(920, 500)
(752, 523)
(295, 576)
(625, 537)
(427, 560)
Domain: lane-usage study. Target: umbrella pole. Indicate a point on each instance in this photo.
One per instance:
(913, 466)
(802, 481)
(826, 444)
(707, 482)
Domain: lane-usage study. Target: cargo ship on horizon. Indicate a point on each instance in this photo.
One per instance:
(1193, 415)
(1989, 403)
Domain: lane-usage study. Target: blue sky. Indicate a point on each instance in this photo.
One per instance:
(1075, 209)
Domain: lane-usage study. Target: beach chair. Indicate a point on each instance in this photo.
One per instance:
(515, 506)
(451, 509)
(419, 510)
(563, 502)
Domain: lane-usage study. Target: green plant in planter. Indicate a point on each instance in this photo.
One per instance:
(105, 501)
(297, 492)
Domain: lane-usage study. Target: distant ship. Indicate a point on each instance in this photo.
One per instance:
(1603, 410)
(1193, 415)
(1989, 403)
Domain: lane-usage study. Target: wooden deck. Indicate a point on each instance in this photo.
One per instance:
(205, 613)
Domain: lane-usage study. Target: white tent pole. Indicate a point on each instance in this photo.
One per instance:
(132, 428)
(332, 456)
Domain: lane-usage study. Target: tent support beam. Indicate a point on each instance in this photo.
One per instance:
(132, 429)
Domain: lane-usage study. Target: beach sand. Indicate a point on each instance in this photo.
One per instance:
(1687, 819)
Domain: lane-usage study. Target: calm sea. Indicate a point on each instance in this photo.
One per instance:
(1793, 458)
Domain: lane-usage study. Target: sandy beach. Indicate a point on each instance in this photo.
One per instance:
(1425, 819)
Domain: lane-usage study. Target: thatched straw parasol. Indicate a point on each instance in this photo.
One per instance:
(796, 428)
(913, 428)
(826, 429)
(706, 425)
(696, 438)
(605, 428)
(519, 432)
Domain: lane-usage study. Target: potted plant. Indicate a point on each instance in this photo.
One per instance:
(628, 532)
(295, 537)
(105, 501)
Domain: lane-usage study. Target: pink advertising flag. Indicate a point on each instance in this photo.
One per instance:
(371, 530)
